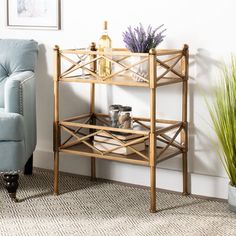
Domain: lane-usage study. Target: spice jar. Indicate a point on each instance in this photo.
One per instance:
(125, 117)
(114, 113)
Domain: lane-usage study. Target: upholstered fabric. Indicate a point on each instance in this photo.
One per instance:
(15, 56)
(17, 103)
(2, 84)
(12, 156)
(12, 127)
(3, 73)
(20, 98)
(13, 91)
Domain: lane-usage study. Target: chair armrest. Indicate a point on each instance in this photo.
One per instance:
(19, 97)
(19, 89)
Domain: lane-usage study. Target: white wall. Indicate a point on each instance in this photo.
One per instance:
(208, 28)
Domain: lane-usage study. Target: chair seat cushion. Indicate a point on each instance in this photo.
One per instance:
(12, 127)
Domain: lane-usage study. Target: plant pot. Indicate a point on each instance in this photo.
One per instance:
(140, 70)
(232, 198)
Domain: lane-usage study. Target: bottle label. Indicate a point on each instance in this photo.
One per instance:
(107, 50)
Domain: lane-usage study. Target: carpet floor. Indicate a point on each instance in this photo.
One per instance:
(106, 208)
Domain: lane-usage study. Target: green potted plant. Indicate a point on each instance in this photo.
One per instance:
(223, 115)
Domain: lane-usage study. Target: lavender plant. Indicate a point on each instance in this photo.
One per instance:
(140, 40)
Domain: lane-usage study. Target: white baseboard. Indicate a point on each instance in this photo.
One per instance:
(203, 185)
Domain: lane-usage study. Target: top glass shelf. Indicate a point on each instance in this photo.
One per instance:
(153, 69)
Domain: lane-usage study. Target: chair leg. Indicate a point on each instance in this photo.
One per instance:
(29, 166)
(11, 184)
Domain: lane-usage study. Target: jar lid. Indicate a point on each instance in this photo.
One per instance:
(126, 108)
(114, 107)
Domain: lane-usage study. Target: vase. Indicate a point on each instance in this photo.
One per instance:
(140, 71)
(232, 198)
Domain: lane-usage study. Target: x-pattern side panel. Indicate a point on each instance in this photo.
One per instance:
(84, 62)
(82, 138)
(170, 141)
(170, 65)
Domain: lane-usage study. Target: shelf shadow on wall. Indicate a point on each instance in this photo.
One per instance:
(72, 101)
(200, 87)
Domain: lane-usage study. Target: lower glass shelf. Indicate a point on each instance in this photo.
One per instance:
(86, 151)
(90, 135)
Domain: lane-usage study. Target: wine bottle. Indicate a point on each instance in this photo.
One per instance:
(104, 46)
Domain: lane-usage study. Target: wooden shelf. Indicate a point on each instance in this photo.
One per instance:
(123, 67)
(76, 146)
(120, 81)
(101, 123)
(84, 151)
(164, 139)
(121, 52)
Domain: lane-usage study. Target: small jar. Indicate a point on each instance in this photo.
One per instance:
(125, 117)
(114, 114)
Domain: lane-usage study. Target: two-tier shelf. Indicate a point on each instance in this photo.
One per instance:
(75, 135)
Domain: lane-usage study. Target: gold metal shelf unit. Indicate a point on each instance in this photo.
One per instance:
(164, 139)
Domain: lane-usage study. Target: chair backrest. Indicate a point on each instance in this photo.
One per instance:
(16, 55)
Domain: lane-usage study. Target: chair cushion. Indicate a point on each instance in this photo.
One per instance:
(11, 126)
(16, 55)
(12, 156)
(3, 73)
(2, 85)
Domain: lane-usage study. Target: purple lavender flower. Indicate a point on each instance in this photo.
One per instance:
(139, 40)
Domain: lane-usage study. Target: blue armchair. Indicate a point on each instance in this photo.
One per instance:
(17, 110)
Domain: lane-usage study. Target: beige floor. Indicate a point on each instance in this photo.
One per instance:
(105, 208)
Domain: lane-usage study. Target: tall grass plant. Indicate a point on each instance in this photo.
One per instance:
(223, 115)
